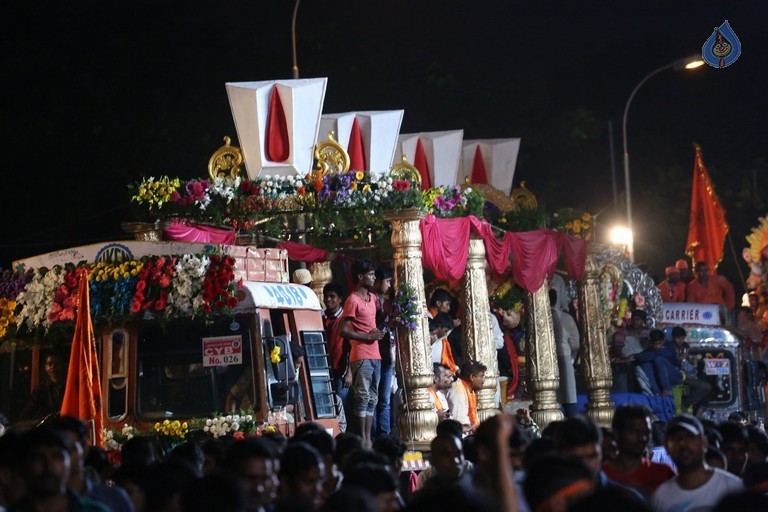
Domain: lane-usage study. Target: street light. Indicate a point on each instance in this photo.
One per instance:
(691, 62)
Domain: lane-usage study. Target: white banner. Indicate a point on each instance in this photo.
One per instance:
(690, 313)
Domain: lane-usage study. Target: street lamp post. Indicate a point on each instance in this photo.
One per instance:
(691, 62)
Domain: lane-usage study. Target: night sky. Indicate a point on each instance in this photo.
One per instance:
(96, 95)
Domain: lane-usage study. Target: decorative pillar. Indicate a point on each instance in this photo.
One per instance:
(321, 276)
(417, 420)
(541, 358)
(595, 362)
(476, 327)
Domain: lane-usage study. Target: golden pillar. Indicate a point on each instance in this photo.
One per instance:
(541, 358)
(418, 419)
(476, 327)
(595, 362)
(321, 276)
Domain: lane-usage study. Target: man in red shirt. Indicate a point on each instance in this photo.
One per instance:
(358, 325)
(710, 289)
(632, 429)
(338, 347)
(671, 289)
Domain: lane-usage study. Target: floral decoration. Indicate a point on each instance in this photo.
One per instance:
(36, 301)
(574, 222)
(450, 202)
(65, 299)
(152, 287)
(7, 315)
(405, 307)
(234, 424)
(218, 286)
(156, 192)
(274, 355)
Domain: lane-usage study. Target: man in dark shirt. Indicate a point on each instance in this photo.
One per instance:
(47, 397)
(660, 364)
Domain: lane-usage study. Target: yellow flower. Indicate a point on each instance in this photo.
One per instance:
(353, 186)
(274, 355)
(359, 175)
(366, 189)
(503, 220)
(271, 429)
(577, 229)
(184, 425)
(576, 224)
(585, 217)
(568, 226)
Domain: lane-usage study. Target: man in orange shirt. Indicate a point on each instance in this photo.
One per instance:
(672, 290)
(358, 325)
(714, 289)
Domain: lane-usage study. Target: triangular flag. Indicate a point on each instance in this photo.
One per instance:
(82, 395)
(707, 227)
(278, 143)
(356, 148)
(420, 163)
(479, 174)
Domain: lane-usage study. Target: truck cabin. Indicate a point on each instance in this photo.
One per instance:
(186, 368)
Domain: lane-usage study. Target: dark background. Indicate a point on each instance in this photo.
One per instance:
(96, 95)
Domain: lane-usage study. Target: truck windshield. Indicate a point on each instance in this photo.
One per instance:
(187, 369)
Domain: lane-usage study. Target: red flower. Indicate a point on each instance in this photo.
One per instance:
(207, 296)
(141, 286)
(232, 302)
(220, 304)
(207, 308)
(136, 306)
(215, 258)
(159, 304)
(406, 186)
(164, 282)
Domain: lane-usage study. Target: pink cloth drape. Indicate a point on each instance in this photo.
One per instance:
(531, 255)
(197, 233)
(303, 252)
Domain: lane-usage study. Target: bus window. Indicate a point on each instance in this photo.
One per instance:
(177, 380)
(117, 351)
(318, 364)
(48, 392)
(15, 381)
(718, 367)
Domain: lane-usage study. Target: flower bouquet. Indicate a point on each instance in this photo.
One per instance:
(405, 307)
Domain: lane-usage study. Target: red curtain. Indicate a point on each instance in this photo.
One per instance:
(303, 252)
(531, 255)
(196, 233)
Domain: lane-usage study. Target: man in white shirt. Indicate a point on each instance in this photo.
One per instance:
(697, 486)
(441, 382)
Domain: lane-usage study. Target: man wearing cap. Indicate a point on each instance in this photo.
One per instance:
(697, 486)
(672, 290)
(302, 276)
(685, 272)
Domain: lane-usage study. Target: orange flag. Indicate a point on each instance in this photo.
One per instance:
(82, 395)
(707, 227)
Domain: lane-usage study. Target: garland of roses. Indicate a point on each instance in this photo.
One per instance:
(218, 287)
(153, 285)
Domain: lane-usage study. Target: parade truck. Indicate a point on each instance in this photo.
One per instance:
(723, 358)
(265, 358)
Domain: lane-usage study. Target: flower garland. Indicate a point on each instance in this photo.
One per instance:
(187, 296)
(235, 424)
(153, 285)
(112, 288)
(65, 299)
(451, 202)
(218, 286)
(36, 301)
(156, 192)
(573, 222)
(7, 316)
(405, 307)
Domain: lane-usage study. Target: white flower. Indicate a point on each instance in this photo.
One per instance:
(235, 426)
(206, 428)
(228, 419)
(208, 423)
(249, 418)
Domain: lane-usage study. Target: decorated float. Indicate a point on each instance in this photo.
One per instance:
(208, 274)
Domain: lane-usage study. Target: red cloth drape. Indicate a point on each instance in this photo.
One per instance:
(303, 252)
(82, 394)
(479, 174)
(197, 233)
(277, 141)
(444, 245)
(707, 227)
(420, 163)
(356, 148)
(531, 255)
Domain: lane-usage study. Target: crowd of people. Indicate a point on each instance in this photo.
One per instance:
(686, 465)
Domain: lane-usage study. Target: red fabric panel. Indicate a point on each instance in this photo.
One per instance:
(534, 257)
(196, 233)
(575, 256)
(444, 246)
(420, 163)
(479, 174)
(356, 148)
(278, 143)
(303, 252)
